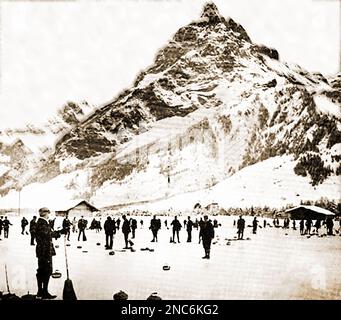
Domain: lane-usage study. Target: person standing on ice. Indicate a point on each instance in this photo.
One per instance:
(33, 227)
(109, 229)
(189, 229)
(264, 223)
(155, 226)
(82, 223)
(240, 227)
(207, 234)
(254, 225)
(133, 224)
(44, 252)
(118, 222)
(6, 225)
(200, 224)
(302, 227)
(308, 225)
(1, 224)
(66, 227)
(329, 225)
(74, 224)
(24, 223)
(126, 230)
(176, 228)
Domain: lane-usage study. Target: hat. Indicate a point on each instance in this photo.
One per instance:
(43, 210)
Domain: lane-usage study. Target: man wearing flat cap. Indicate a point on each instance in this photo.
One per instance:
(44, 253)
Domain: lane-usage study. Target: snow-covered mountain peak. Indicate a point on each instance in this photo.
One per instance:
(210, 12)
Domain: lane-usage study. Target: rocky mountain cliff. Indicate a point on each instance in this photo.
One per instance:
(212, 104)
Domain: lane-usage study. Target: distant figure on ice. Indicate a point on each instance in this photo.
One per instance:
(277, 222)
(207, 234)
(155, 226)
(66, 225)
(234, 223)
(200, 224)
(189, 229)
(110, 230)
(118, 223)
(166, 223)
(329, 225)
(317, 225)
(24, 223)
(185, 221)
(240, 227)
(1, 225)
(126, 230)
(141, 223)
(254, 225)
(264, 223)
(74, 224)
(133, 224)
(176, 228)
(308, 225)
(294, 224)
(302, 227)
(82, 223)
(33, 226)
(44, 252)
(6, 223)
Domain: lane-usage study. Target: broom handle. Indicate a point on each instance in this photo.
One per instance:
(67, 265)
(7, 279)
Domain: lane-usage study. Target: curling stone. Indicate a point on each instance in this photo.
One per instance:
(111, 253)
(98, 244)
(120, 296)
(166, 267)
(56, 246)
(79, 247)
(56, 275)
(85, 251)
(154, 296)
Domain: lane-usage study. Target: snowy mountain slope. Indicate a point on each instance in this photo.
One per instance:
(212, 104)
(268, 183)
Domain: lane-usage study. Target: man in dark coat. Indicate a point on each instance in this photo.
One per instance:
(200, 224)
(189, 227)
(6, 225)
(254, 225)
(33, 227)
(44, 252)
(67, 227)
(302, 227)
(329, 225)
(109, 229)
(24, 223)
(126, 230)
(240, 227)
(82, 223)
(1, 225)
(176, 228)
(155, 225)
(133, 224)
(207, 234)
(308, 225)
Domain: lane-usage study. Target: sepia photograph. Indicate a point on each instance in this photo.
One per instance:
(170, 150)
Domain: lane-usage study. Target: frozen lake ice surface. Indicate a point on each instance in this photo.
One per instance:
(275, 263)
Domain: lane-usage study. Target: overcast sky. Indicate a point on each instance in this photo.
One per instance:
(58, 51)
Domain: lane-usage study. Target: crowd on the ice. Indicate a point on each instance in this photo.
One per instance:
(42, 230)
